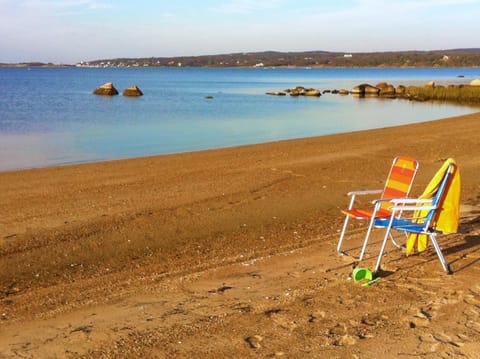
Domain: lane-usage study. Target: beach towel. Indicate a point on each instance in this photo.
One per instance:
(447, 216)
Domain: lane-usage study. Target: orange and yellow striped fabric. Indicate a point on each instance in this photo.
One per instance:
(398, 185)
(400, 179)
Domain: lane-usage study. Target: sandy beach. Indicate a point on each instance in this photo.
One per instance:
(230, 253)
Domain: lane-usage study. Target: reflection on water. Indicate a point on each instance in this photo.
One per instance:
(37, 150)
(49, 116)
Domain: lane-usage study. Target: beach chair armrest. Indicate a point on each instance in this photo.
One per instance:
(382, 200)
(409, 201)
(365, 192)
(412, 208)
(354, 194)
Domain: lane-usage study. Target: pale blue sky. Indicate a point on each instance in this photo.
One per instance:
(70, 31)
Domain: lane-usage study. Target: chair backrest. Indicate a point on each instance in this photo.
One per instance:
(400, 179)
(439, 195)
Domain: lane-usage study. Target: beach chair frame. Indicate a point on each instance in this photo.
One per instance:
(379, 205)
(416, 225)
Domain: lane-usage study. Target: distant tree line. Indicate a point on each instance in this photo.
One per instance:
(437, 58)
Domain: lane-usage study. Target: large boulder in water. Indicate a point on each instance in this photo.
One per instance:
(358, 90)
(297, 91)
(365, 89)
(381, 85)
(312, 92)
(401, 90)
(106, 90)
(385, 89)
(371, 90)
(388, 91)
(132, 91)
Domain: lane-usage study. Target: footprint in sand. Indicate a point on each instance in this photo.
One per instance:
(446, 339)
(473, 325)
(421, 319)
(472, 300)
(282, 319)
(442, 343)
(254, 341)
(476, 289)
(471, 314)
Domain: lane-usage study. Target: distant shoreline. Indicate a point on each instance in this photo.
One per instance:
(446, 58)
(23, 65)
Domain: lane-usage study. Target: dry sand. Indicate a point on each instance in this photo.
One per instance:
(231, 254)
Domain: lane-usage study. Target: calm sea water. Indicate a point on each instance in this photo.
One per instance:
(49, 116)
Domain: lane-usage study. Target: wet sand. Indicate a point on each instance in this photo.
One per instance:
(231, 253)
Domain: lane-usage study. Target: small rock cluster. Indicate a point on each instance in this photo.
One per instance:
(108, 89)
(297, 91)
(381, 89)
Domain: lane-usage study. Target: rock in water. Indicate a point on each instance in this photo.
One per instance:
(401, 90)
(312, 92)
(365, 89)
(385, 89)
(371, 90)
(277, 93)
(106, 90)
(132, 91)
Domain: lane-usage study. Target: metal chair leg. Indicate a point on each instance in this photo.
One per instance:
(444, 263)
(365, 241)
(384, 243)
(399, 246)
(369, 231)
(344, 229)
(339, 245)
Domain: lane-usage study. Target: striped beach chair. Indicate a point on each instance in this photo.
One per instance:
(398, 185)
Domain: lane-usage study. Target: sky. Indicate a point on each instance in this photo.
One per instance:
(70, 31)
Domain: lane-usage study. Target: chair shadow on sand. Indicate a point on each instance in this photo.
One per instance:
(463, 242)
(471, 243)
(468, 244)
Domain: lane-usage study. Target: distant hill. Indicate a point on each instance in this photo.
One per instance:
(437, 58)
